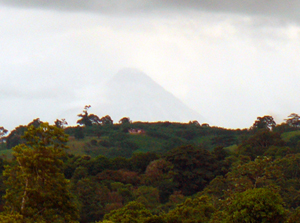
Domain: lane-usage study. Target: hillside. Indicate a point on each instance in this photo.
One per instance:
(116, 140)
(161, 171)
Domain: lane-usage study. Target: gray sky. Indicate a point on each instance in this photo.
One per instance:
(231, 61)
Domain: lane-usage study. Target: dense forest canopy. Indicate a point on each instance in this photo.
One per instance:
(127, 171)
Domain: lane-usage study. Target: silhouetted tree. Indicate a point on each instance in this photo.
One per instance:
(60, 123)
(106, 120)
(125, 120)
(14, 137)
(3, 132)
(35, 122)
(266, 122)
(293, 120)
(86, 119)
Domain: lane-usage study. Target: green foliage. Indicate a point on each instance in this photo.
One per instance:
(286, 136)
(97, 165)
(80, 173)
(140, 161)
(122, 147)
(262, 172)
(193, 168)
(259, 143)
(14, 137)
(92, 198)
(148, 196)
(114, 139)
(12, 218)
(2, 146)
(277, 151)
(109, 168)
(256, 205)
(78, 133)
(195, 210)
(224, 140)
(36, 186)
(188, 134)
(120, 163)
(294, 216)
(133, 212)
(289, 188)
(266, 122)
(158, 170)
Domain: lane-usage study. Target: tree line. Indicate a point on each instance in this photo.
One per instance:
(249, 175)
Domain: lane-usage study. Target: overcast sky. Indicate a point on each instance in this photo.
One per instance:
(229, 60)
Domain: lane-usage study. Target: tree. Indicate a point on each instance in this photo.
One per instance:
(293, 120)
(78, 132)
(35, 122)
(86, 119)
(36, 186)
(148, 196)
(260, 142)
(140, 161)
(3, 132)
(262, 172)
(256, 205)
(195, 123)
(60, 123)
(12, 218)
(119, 163)
(125, 120)
(92, 197)
(158, 170)
(192, 210)
(266, 122)
(98, 164)
(94, 119)
(106, 120)
(14, 137)
(193, 168)
(133, 212)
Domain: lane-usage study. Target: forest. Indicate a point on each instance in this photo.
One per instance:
(150, 172)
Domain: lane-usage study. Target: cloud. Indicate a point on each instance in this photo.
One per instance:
(35, 94)
(276, 8)
(217, 57)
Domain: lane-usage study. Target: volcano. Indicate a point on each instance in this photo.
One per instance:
(131, 93)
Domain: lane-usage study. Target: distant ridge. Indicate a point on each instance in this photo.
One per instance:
(131, 93)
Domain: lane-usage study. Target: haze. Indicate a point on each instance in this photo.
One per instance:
(230, 61)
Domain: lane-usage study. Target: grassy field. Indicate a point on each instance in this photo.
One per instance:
(146, 143)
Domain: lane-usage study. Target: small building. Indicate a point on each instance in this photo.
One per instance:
(136, 131)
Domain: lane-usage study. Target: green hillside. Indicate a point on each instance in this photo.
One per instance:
(124, 140)
(151, 172)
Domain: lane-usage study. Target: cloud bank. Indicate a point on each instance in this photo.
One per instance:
(276, 8)
(230, 60)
